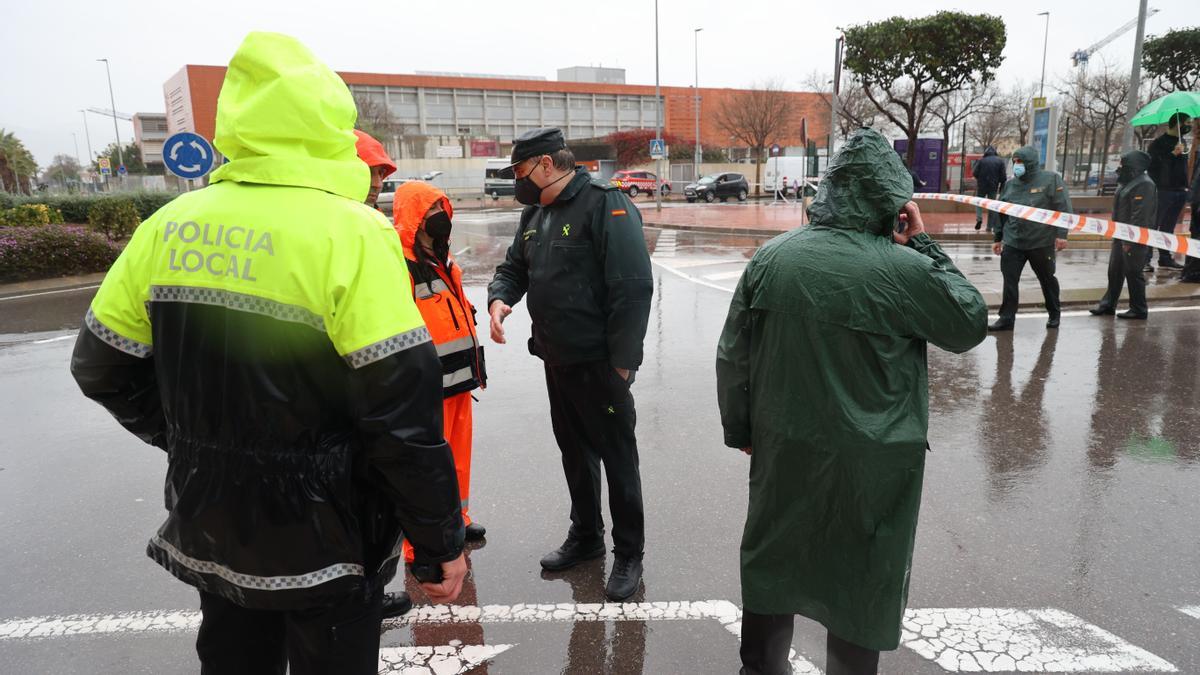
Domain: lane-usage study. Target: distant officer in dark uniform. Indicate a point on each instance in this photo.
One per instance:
(1136, 203)
(580, 255)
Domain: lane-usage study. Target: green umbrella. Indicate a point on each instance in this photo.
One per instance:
(1160, 110)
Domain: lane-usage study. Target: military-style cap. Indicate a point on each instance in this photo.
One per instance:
(534, 143)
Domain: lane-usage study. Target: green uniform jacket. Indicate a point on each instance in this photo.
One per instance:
(821, 369)
(1136, 201)
(1039, 188)
(583, 261)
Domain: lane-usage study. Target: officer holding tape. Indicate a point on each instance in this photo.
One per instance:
(1019, 241)
(1135, 203)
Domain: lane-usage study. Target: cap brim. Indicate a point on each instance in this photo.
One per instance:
(509, 171)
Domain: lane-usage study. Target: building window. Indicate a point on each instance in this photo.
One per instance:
(578, 103)
(439, 97)
(529, 101)
(553, 102)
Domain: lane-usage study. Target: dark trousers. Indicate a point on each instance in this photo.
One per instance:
(1191, 267)
(343, 638)
(767, 641)
(592, 412)
(1126, 267)
(1012, 263)
(1170, 204)
(987, 194)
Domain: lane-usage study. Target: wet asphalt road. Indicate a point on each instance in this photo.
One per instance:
(1063, 474)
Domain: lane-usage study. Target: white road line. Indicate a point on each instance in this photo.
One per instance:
(1030, 640)
(685, 264)
(689, 277)
(1193, 611)
(721, 276)
(39, 627)
(64, 290)
(451, 659)
(53, 339)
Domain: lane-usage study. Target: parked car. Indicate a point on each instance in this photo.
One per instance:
(633, 183)
(387, 191)
(720, 186)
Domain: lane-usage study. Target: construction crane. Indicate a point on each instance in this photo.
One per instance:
(1080, 56)
(111, 113)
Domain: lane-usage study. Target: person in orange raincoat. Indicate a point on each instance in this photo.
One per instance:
(422, 217)
(371, 151)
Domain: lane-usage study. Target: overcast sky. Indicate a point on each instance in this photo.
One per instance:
(49, 49)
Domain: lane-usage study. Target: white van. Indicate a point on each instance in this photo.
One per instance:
(493, 185)
(776, 169)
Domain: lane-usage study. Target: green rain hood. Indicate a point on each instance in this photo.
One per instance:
(1038, 188)
(821, 369)
(285, 118)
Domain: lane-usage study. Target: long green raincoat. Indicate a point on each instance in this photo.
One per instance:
(821, 369)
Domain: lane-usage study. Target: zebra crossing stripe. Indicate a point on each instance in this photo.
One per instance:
(1027, 640)
(957, 639)
(1192, 611)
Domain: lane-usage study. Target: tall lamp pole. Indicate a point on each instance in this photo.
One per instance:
(112, 100)
(698, 154)
(91, 157)
(833, 98)
(1045, 44)
(1135, 78)
(658, 106)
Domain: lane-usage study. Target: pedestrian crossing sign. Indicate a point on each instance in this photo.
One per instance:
(658, 149)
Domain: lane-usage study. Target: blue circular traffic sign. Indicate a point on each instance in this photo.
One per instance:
(188, 155)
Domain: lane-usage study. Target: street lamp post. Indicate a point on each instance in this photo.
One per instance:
(698, 155)
(1045, 44)
(658, 106)
(833, 98)
(1135, 79)
(88, 135)
(113, 101)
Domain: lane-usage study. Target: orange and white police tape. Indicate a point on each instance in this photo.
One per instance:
(1109, 229)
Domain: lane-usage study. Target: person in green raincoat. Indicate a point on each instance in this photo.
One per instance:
(1019, 241)
(821, 379)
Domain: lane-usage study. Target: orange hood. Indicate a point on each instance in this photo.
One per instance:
(412, 201)
(371, 151)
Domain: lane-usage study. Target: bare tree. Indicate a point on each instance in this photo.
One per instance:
(1016, 106)
(955, 107)
(989, 125)
(375, 119)
(1099, 96)
(855, 110)
(757, 117)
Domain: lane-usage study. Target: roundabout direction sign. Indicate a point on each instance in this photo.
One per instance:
(188, 155)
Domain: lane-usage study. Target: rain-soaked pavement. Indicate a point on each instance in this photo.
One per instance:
(1060, 529)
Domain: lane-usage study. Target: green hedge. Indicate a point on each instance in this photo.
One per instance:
(29, 215)
(53, 251)
(75, 208)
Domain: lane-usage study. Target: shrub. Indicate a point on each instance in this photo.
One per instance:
(75, 207)
(29, 215)
(114, 217)
(53, 251)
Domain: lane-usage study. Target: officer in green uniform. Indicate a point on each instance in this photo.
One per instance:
(1020, 241)
(1135, 203)
(580, 256)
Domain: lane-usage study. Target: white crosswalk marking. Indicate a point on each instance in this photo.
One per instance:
(451, 659)
(1192, 611)
(1029, 640)
(666, 244)
(721, 276)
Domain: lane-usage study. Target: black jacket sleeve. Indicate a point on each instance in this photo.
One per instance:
(628, 278)
(397, 403)
(1143, 204)
(123, 383)
(512, 276)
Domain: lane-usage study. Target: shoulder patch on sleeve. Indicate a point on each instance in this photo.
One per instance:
(603, 185)
(618, 212)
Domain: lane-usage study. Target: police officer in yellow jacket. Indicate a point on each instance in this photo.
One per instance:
(252, 330)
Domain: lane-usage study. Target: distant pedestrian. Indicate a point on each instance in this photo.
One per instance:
(1191, 268)
(1019, 241)
(917, 182)
(990, 175)
(1168, 170)
(822, 381)
(1134, 203)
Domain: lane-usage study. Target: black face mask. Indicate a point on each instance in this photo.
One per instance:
(1124, 174)
(528, 192)
(1185, 130)
(438, 228)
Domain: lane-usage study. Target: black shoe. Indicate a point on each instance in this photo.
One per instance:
(1148, 269)
(571, 553)
(1132, 315)
(476, 532)
(1001, 325)
(396, 604)
(1096, 311)
(1189, 280)
(1053, 322)
(978, 225)
(1169, 264)
(625, 577)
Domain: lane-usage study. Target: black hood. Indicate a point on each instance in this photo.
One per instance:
(989, 151)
